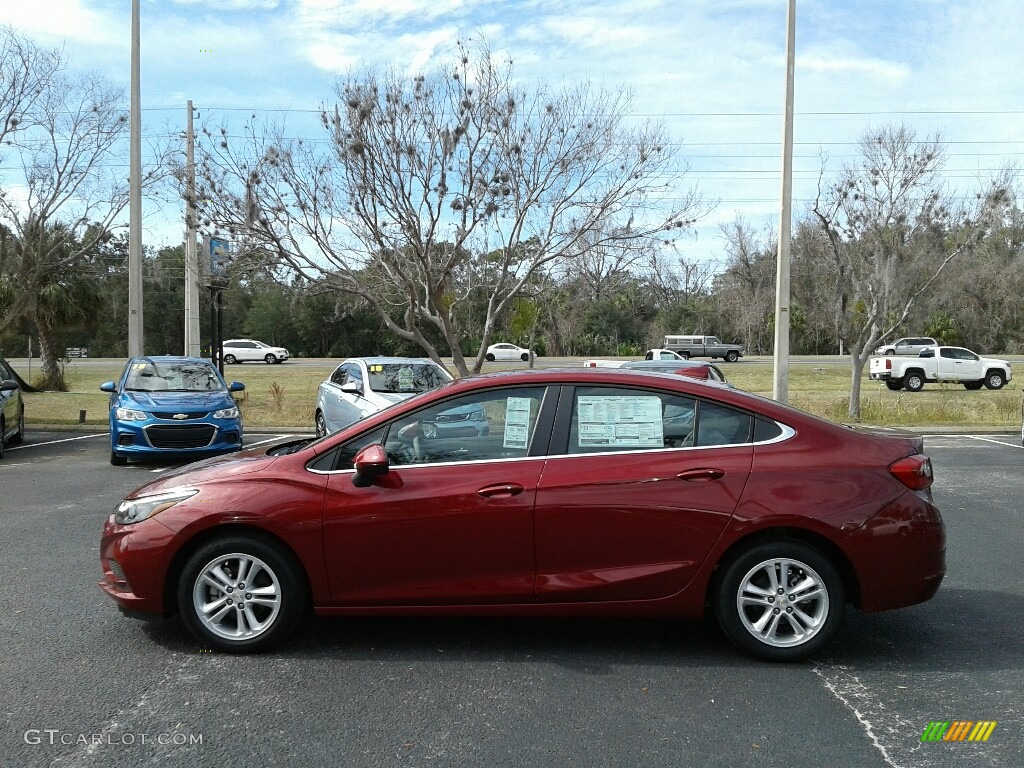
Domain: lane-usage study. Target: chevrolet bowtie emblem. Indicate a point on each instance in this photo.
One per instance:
(180, 416)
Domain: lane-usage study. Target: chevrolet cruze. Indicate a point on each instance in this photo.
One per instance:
(593, 492)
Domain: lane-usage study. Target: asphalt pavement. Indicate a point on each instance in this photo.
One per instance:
(84, 686)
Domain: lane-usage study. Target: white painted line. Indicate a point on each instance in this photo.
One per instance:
(262, 442)
(990, 440)
(54, 442)
(27, 464)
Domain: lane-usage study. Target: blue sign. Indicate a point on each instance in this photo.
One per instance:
(220, 256)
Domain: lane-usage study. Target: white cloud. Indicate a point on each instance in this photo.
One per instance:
(62, 20)
(233, 5)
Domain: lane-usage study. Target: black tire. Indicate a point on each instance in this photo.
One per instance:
(685, 355)
(278, 360)
(277, 573)
(894, 384)
(270, 359)
(973, 385)
(489, 357)
(118, 461)
(525, 357)
(321, 424)
(752, 566)
(229, 360)
(995, 379)
(18, 436)
(732, 356)
(913, 381)
(890, 352)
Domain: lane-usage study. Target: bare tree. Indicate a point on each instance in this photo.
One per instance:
(746, 288)
(64, 201)
(890, 228)
(423, 174)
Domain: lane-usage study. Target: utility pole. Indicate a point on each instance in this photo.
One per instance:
(780, 390)
(135, 327)
(192, 342)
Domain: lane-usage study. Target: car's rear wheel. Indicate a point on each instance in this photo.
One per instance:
(894, 384)
(781, 600)
(973, 384)
(732, 356)
(913, 381)
(995, 379)
(321, 425)
(229, 359)
(890, 352)
(489, 357)
(118, 461)
(684, 355)
(270, 359)
(241, 594)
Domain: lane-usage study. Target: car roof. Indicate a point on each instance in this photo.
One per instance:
(172, 359)
(382, 360)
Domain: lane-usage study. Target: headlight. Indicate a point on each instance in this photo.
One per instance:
(135, 510)
(127, 414)
(226, 413)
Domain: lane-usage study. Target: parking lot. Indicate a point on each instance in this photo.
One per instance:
(84, 686)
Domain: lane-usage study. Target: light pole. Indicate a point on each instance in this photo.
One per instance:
(780, 390)
(135, 326)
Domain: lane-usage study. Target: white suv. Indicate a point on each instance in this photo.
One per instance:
(250, 350)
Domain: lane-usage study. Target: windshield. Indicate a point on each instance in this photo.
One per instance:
(406, 378)
(150, 376)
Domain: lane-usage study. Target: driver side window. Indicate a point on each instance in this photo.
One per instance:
(476, 427)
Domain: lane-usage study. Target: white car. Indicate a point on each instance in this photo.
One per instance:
(361, 386)
(250, 350)
(508, 352)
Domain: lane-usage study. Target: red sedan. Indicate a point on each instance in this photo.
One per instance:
(592, 493)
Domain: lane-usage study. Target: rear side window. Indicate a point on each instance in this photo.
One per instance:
(718, 425)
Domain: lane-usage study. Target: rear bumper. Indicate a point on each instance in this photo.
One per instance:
(899, 555)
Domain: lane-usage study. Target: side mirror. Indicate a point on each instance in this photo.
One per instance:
(236, 386)
(371, 462)
(108, 386)
(8, 385)
(352, 387)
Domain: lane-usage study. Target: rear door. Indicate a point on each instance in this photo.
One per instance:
(638, 487)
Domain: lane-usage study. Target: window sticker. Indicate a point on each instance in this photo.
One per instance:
(376, 368)
(405, 379)
(517, 422)
(623, 421)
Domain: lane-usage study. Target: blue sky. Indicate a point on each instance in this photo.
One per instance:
(712, 70)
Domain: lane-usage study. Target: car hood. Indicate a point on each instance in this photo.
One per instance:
(176, 401)
(217, 468)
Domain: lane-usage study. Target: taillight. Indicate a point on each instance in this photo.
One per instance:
(915, 471)
(888, 363)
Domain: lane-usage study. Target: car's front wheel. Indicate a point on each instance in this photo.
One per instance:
(118, 461)
(270, 359)
(18, 436)
(241, 594)
(525, 357)
(732, 356)
(229, 359)
(995, 379)
(781, 600)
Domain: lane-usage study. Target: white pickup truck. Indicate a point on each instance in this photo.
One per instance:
(651, 354)
(954, 364)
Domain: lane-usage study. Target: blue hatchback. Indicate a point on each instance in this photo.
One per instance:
(172, 406)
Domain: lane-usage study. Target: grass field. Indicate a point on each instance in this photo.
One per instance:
(285, 395)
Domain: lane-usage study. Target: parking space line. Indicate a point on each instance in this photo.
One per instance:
(54, 442)
(272, 439)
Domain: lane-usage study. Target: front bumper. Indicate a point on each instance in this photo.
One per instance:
(134, 560)
(161, 437)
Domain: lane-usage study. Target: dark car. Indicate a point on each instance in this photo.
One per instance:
(595, 492)
(12, 408)
(173, 407)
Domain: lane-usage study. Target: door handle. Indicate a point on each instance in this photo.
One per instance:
(701, 475)
(501, 491)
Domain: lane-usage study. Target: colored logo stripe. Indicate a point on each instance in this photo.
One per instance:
(959, 730)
